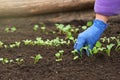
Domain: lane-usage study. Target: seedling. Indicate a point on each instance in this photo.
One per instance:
(7, 29)
(86, 49)
(1, 44)
(12, 45)
(113, 38)
(35, 28)
(28, 42)
(103, 39)
(5, 46)
(59, 55)
(98, 47)
(19, 60)
(4, 60)
(89, 23)
(37, 58)
(109, 47)
(17, 44)
(84, 27)
(43, 27)
(39, 41)
(60, 27)
(13, 29)
(118, 45)
(75, 53)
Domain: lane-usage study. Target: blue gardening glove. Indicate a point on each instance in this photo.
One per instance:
(90, 36)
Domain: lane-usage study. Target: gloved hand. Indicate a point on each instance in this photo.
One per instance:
(90, 36)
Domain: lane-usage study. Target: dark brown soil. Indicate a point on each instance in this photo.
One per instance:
(98, 67)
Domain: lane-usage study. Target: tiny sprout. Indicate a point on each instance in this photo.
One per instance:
(118, 45)
(76, 30)
(109, 47)
(37, 58)
(5, 46)
(89, 23)
(1, 44)
(103, 39)
(19, 60)
(43, 27)
(35, 28)
(87, 50)
(7, 29)
(75, 53)
(28, 42)
(17, 44)
(12, 45)
(13, 29)
(59, 55)
(98, 44)
(84, 27)
(4, 60)
(53, 32)
(113, 38)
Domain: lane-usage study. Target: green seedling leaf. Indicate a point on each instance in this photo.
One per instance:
(75, 54)
(84, 27)
(17, 44)
(95, 50)
(118, 45)
(58, 60)
(19, 60)
(35, 28)
(113, 38)
(75, 57)
(1, 44)
(59, 26)
(89, 23)
(13, 29)
(43, 28)
(37, 58)
(98, 44)
(28, 42)
(7, 29)
(59, 55)
(109, 47)
(103, 39)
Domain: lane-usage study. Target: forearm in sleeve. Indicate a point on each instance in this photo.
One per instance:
(107, 7)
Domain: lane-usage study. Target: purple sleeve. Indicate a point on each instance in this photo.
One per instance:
(107, 7)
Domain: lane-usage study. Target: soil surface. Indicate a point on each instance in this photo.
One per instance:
(98, 67)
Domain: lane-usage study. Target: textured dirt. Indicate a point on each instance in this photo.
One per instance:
(98, 67)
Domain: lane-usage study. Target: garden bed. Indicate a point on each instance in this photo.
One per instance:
(97, 67)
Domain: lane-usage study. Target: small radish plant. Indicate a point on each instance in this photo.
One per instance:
(1, 44)
(89, 23)
(28, 42)
(108, 49)
(12, 29)
(4, 60)
(37, 58)
(35, 28)
(84, 27)
(98, 47)
(118, 45)
(43, 27)
(59, 55)
(75, 54)
(19, 60)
